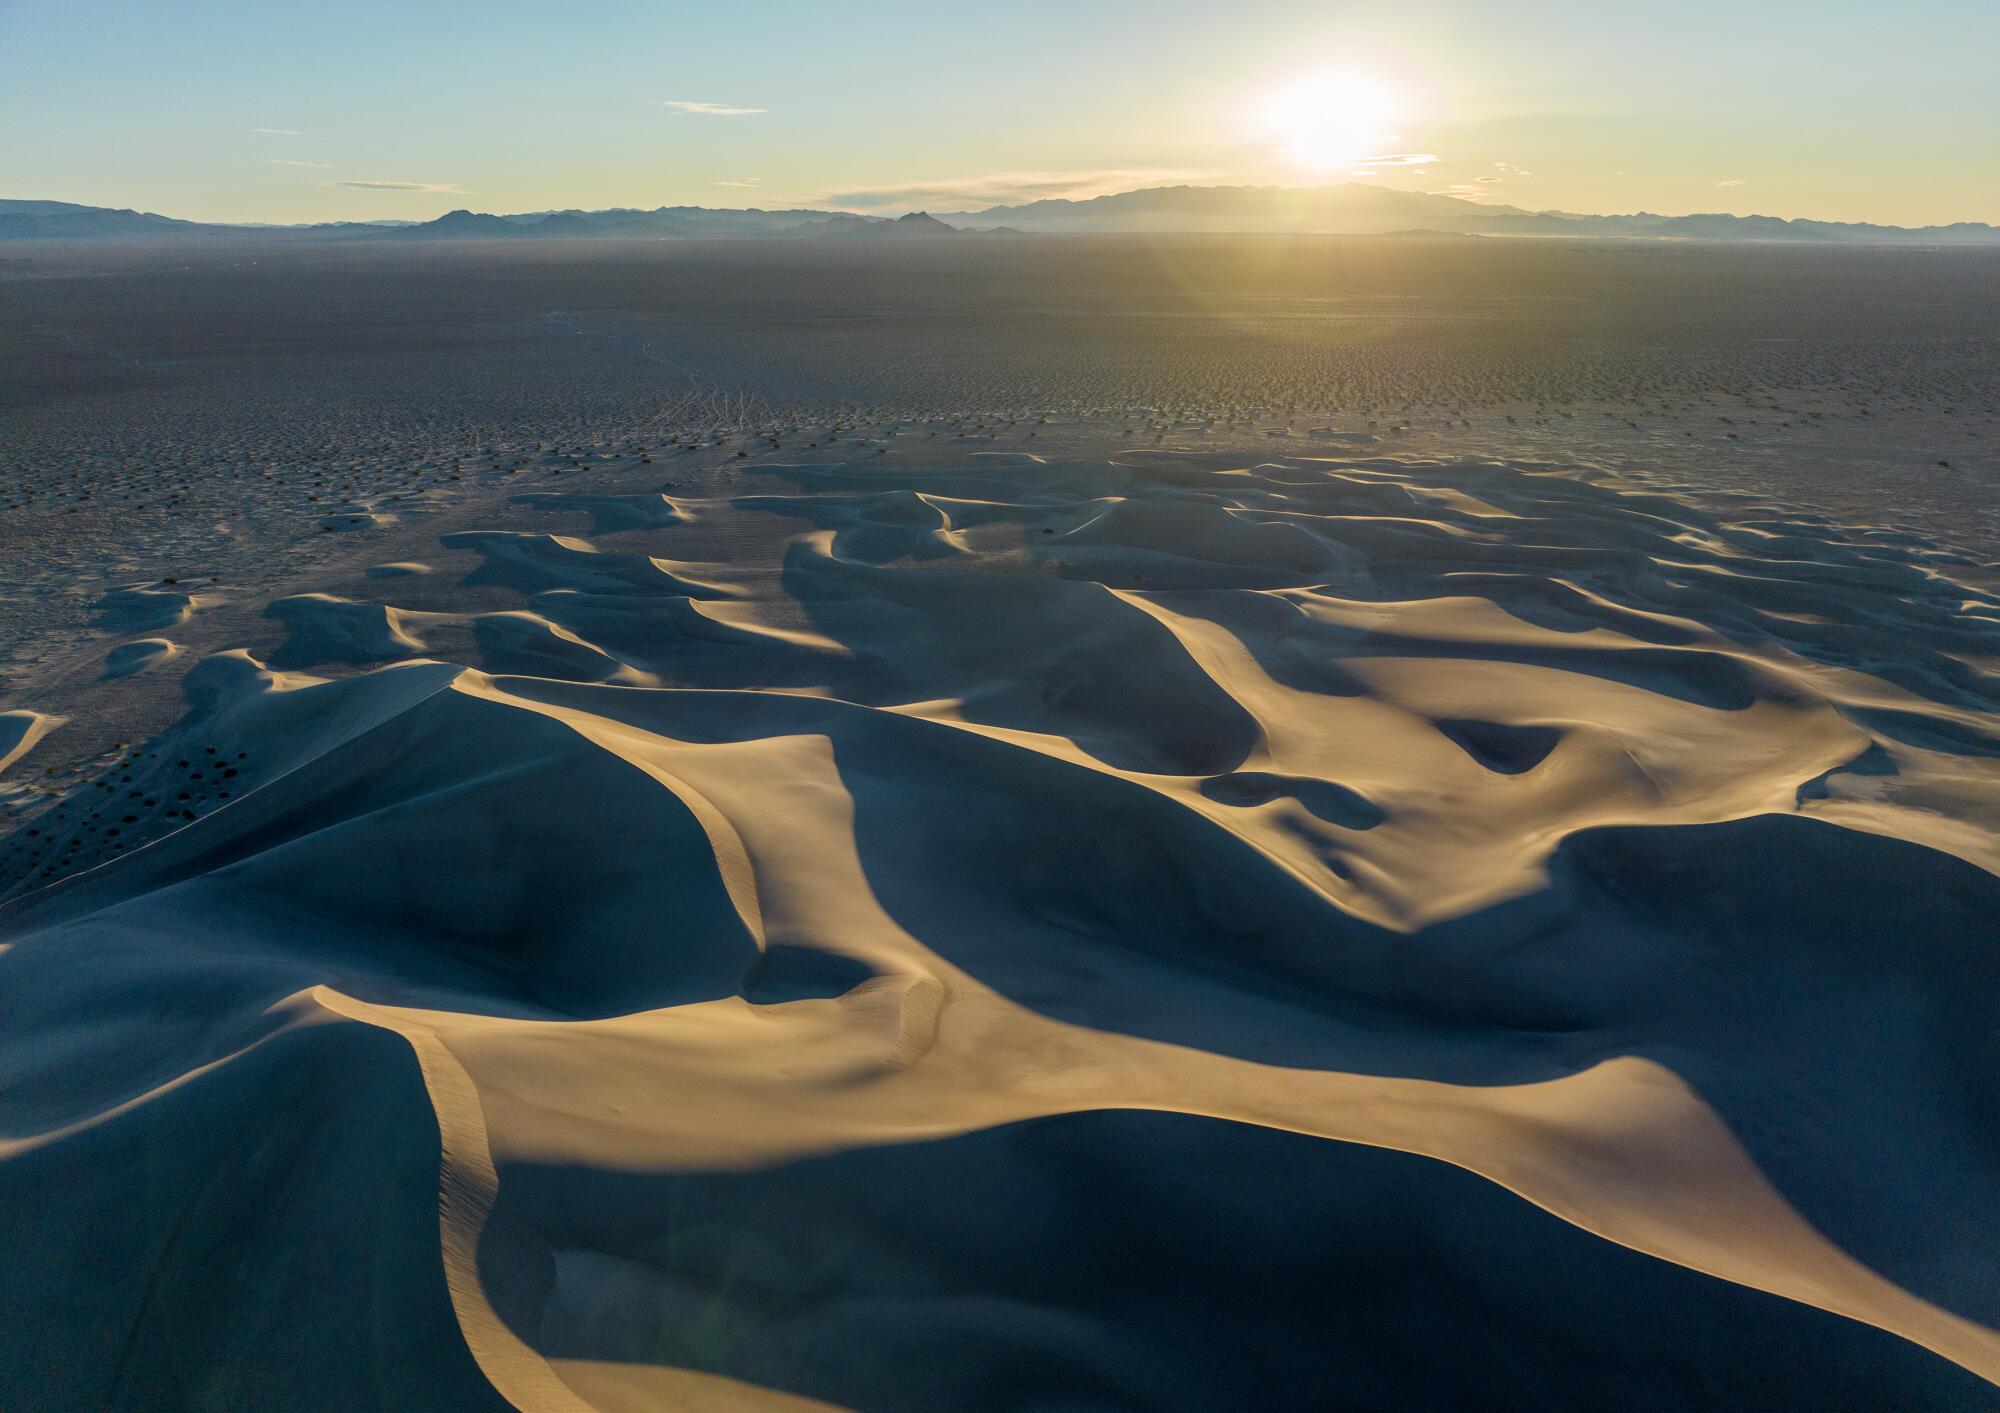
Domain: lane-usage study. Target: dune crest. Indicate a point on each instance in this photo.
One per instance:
(21, 731)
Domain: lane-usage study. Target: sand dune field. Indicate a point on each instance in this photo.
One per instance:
(971, 904)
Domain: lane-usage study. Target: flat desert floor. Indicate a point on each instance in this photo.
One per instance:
(1017, 824)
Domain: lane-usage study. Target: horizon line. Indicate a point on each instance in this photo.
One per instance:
(1468, 207)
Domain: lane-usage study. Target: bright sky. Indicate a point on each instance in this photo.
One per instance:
(295, 110)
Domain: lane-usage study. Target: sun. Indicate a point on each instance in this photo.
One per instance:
(1329, 119)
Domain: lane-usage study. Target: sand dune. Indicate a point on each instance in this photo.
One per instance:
(1093, 930)
(139, 655)
(140, 608)
(21, 731)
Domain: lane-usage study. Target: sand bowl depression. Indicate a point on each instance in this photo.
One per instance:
(999, 927)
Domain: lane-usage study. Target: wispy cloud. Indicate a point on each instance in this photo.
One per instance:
(1011, 188)
(1398, 159)
(401, 186)
(1729, 183)
(293, 162)
(277, 132)
(1481, 188)
(691, 107)
(744, 181)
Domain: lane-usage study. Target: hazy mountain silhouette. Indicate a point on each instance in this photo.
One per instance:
(62, 220)
(1354, 208)
(460, 225)
(844, 227)
(1359, 209)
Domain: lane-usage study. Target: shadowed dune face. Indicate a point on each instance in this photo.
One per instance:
(1053, 932)
(1112, 1245)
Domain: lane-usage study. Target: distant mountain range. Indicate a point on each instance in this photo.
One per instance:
(1352, 209)
(668, 223)
(60, 220)
(1359, 209)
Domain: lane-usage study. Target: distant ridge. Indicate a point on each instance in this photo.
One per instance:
(688, 222)
(458, 225)
(844, 227)
(61, 220)
(1354, 208)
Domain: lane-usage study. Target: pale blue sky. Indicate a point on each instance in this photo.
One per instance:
(1834, 109)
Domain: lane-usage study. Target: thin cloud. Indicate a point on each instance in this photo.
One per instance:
(1399, 159)
(293, 162)
(401, 186)
(278, 132)
(746, 181)
(1012, 188)
(1729, 183)
(691, 107)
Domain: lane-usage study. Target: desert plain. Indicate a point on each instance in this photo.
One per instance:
(1022, 822)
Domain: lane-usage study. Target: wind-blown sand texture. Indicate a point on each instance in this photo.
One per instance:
(1080, 928)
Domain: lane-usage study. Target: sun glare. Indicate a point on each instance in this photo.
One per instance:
(1329, 120)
